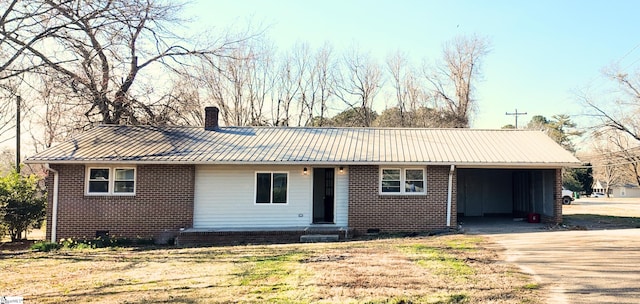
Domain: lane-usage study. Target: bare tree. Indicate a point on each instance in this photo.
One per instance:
(621, 114)
(24, 25)
(411, 98)
(325, 68)
(609, 164)
(453, 81)
(397, 65)
(617, 119)
(610, 174)
(293, 66)
(184, 104)
(306, 98)
(52, 120)
(360, 82)
(8, 104)
(239, 84)
(629, 154)
(99, 50)
(260, 82)
(621, 150)
(316, 85)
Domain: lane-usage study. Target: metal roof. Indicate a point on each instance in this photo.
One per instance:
(287, 145)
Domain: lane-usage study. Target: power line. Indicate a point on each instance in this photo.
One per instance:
(628, 53)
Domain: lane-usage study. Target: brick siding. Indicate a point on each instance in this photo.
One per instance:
(163, 202)
(557, 217)
(223, 238)
(399, 213)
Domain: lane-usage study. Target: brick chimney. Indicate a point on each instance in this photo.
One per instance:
(211, 118)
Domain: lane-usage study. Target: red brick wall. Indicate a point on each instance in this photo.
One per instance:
(163, 201)
(399, 213)
(557, 199)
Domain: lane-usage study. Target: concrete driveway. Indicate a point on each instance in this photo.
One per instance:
(573, 266)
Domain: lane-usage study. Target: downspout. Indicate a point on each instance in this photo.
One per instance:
(54, 208)
(449, 195)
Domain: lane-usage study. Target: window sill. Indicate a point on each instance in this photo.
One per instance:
(402, 194)
(109, 194)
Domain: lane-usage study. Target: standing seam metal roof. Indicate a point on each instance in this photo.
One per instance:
(266, 145)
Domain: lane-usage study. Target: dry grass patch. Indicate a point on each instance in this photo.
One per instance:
(443, 269)
(597, 221)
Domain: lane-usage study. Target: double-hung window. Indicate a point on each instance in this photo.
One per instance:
(402, 181)
(271, 187)
(111, 181)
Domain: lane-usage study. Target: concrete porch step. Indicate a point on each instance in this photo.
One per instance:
(319, 238)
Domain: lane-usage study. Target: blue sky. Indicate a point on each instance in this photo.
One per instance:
(542, 51)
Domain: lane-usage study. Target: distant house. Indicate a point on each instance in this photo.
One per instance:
(623, 190)
(219, 183)
(601, 187)
(626, 190)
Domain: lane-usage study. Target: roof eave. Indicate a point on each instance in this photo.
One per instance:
(488, 165)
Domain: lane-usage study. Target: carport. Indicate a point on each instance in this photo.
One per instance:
(509, 192)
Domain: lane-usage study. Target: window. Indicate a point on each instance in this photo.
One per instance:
(271, 187)
(391, 180)
(98, 180)
(123, 181)
(414, 180)
(111, 181)
(402, 181)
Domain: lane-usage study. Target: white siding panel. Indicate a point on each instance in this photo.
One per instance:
(342, 197)
(224, 199)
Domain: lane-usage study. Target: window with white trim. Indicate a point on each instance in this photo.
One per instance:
(402, 181)
(111, 181)
(272, 187)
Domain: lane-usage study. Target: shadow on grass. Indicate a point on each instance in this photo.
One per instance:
(600, 222)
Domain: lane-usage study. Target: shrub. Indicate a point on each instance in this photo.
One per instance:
(45, 246)
(22, 204)
(103, 242)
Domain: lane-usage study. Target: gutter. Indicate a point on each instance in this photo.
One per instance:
(54, 208)
(449, 195)
(483, 165)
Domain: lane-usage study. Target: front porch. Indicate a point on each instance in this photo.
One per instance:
(225, 237)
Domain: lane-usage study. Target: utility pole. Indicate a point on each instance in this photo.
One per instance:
(18, 99)
(516, 114)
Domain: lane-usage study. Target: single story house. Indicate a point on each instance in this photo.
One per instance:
(218, 182)
(626, 190)
(621, 190)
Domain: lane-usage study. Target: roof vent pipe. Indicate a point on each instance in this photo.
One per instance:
(211, 118)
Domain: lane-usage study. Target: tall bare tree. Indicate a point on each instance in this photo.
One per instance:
(51, 120)
(325, 70)
(629, 154)
(397, 65)
(8, 104)
(260, 82)
(303, 60)
(617, 119)
(609, 162)
(619, 149)
(239, 84)
(414, 107)
(453, 81)
(359, 83)
(100, 50)
(621, 114)
(288, 85)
